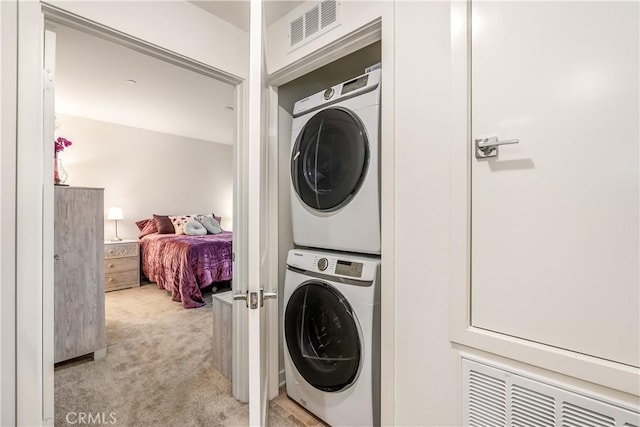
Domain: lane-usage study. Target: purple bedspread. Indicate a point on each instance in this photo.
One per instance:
(184, 264)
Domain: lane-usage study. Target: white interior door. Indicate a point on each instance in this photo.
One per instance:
(555, 221)
(261, 312)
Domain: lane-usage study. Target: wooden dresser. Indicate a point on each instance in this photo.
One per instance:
(79, 326)
(121, 264)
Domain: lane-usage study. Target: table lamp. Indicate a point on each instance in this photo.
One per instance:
(116, 215)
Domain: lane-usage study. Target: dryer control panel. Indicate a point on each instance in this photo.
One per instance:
(349, 89)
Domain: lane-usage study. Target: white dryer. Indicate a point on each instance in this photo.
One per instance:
(331, 329)
(335, 185)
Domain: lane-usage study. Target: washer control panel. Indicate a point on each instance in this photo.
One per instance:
(349, 268)
(323, 263)
(359, 267)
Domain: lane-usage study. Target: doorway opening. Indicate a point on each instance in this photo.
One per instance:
(158, 364)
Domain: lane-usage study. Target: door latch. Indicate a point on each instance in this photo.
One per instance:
(253, 299)
(488, 147)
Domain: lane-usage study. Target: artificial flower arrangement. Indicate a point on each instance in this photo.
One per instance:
(60, 144)
(59, 174)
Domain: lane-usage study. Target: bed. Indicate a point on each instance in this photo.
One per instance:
(183, 264)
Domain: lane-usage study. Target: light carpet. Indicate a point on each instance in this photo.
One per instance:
(157, 372)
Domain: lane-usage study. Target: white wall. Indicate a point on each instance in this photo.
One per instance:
(146, 172)
(178, 26)
(353, 15)
(426, 368)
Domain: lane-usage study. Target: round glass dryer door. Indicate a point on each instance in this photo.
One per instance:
(329, 159)
(322, 336)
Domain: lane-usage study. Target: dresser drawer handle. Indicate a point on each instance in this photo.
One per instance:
(110, 265)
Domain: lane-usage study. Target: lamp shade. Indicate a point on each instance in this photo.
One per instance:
(115, 213)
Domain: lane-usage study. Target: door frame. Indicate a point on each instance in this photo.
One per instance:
(380, 29)
(8, 88)
(607, 374)
(34, 380)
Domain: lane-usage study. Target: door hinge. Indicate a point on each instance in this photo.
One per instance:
(48, 80)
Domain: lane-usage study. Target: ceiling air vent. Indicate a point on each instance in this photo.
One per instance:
(314, 22)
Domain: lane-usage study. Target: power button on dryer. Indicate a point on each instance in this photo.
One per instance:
(328, 93)
(323, 263)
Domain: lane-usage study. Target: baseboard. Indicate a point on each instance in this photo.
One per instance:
(281, 378)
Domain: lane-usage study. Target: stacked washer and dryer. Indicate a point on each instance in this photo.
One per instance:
(332, 285)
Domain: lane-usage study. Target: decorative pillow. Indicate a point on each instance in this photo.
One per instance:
(146, 226)
(179, 221)
(163, 224)
(194, 228)
(212, 226)
(143, 223)
(217, 218)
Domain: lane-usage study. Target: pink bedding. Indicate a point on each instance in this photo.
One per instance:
(184, 264)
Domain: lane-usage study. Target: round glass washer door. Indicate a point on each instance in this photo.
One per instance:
(329, 159)
(322, 336)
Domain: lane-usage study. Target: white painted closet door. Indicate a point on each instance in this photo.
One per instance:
(555, 230)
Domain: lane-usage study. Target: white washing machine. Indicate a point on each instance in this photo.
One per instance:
(335, 185)
(331, 329)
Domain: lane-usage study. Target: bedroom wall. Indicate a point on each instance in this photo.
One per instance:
(146, 172)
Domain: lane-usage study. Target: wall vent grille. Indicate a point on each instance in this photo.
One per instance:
(296, 33)
(329, 12)
(531, 409)
(486, 401)
(575, 416)
(312, 23)
(494, 397)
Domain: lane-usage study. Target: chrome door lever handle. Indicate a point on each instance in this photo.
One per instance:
(242, 297)
(267, 295)
(253, 299)
(488, 147)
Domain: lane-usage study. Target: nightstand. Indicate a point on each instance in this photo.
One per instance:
(121, 264)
